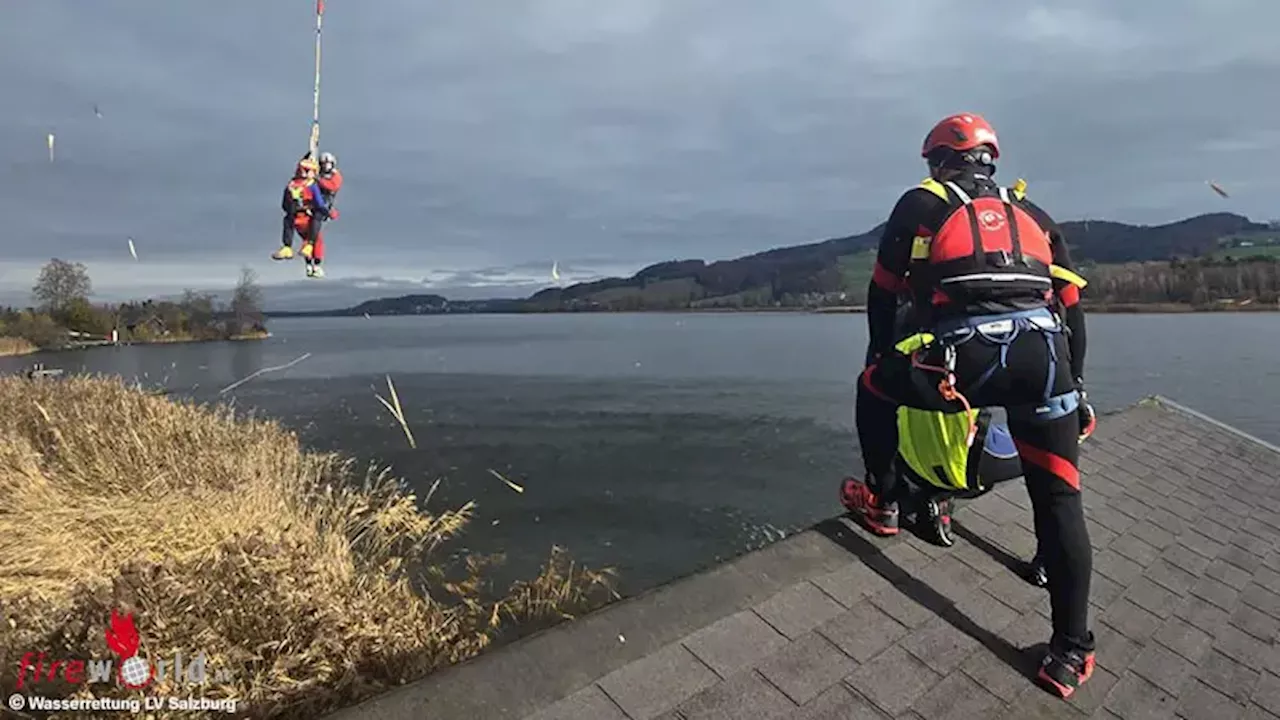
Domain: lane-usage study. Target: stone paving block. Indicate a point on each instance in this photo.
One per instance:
(950, 578)
(1103, 591)
(807, 667)
(1268, 578)
(849, 584)
(1252, 543)
(1147, 595)
(1130, 506)
(1017, 541)
(1221, 595)
(983, 610)
(1013, 591)
(1132, 621)
(1228, 574)
(1228, 675)
(906, 557)
(1255, 712)
(1183, 558)
(1111, 519)
(1026, 631)
(1262, 599)
(657, 682)
(1089, 698)
(798, 609)
(999, 510)
(838, 703)
(1257, 623)
(893, 681)
(1183, 508)
(1163, 668)
(1203, 614)
(957, 697)
(1201, 544)
(1100, 537)
(1165, 520)
(1267, 693)
(1198, 701)
(1034, 703)
(862, 632)
(1153, 534)
(1241, 646)
(939, 645)
(1114, 651)
(1234, 506)
(735, 643)
(1133, 698)
(1213, 530)
(901, 607)
(1241, 558)
(741, 696)
(1135, 548)
(1171, 577)
(589, 703)
(997, 676)
(1116, 567)
(977, 560)
(1184, 638)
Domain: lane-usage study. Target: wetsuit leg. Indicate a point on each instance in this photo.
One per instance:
(317, 249)
(1050, 454)
(286, 234)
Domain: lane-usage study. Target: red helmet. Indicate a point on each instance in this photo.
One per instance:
(961, 132)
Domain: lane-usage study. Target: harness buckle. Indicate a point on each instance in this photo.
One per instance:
(1002, 259)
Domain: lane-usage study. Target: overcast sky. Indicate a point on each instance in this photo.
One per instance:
(483, 141)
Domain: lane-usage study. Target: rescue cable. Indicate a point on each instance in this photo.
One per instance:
(315, 115)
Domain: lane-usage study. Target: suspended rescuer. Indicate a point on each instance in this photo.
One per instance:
(303, 204)
(984, 267)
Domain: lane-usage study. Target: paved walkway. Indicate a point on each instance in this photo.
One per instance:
(1184, 514)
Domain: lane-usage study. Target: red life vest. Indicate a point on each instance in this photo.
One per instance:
(300, 194)
(986, 248)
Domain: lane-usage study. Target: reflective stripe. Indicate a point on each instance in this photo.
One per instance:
(999, 277)
(964, 198)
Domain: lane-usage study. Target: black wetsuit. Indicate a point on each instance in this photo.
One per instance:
(1036, 364)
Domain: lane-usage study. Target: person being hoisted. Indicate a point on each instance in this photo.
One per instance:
(986, 269)
(305, 206)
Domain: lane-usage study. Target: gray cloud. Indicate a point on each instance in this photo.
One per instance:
(482, 141)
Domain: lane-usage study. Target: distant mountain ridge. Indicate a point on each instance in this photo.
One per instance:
(832, 271)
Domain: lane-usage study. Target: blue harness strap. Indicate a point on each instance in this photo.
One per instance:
(1001, 330)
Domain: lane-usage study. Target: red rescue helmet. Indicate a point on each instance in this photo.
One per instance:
(306, 165)
(961, 132)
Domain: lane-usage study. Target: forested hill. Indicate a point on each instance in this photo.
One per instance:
(837, 271)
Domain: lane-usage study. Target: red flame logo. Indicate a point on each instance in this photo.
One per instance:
(122, 636)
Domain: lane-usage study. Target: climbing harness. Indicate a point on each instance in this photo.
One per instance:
(999, 330)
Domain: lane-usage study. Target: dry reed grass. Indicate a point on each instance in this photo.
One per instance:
(286, 567)
(16, 346)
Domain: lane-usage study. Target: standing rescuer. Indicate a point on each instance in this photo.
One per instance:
(985, 268)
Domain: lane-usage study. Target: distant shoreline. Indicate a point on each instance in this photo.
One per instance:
(1105, 308)
(17, 347)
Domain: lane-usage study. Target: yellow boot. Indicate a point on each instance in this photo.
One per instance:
(284, 253)
(306, 250)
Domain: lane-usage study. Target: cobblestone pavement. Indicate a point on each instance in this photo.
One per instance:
(1184, 515)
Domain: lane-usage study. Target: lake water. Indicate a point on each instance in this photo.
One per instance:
(656, 443)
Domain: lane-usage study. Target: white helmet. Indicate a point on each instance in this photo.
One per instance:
(327, 158)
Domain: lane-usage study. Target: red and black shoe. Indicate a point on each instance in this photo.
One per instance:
(879, 517)
(936, 521)
(1064, 672)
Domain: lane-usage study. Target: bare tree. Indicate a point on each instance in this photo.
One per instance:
(246, 302)
(60, 284)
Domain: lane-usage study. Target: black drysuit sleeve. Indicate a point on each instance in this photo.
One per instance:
(1068, 294)
(889, 279)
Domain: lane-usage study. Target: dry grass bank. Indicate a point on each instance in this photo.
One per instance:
(16, 346)
(221, 535)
